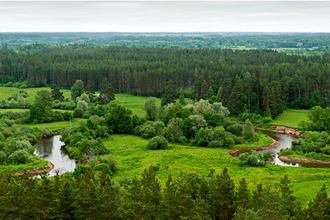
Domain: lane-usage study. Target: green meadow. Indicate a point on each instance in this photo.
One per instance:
(290, 118)
(135, 103)
(133, 157)
(6, 92)
(56, 126)
(37, 163)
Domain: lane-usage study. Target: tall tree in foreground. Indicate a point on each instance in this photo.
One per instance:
(106, 90)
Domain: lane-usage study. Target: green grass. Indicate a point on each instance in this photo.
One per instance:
(135, 103)
(290, 118)
(133, 157)
(56, 126)
(264, 140)
(6, 92)
(37, 163)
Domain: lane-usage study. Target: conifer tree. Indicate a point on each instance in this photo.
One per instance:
(242, 195)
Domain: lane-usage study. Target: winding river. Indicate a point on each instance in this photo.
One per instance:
(51, 149)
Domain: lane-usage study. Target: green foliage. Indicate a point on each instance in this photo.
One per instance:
(213, 138)
(119, 120)
(151, 129)
(106, 91)
(20, 157)
(41, 110)
(151, 109)
(77, 89)
(248, 131)
(82, 105)
(78, 113)
(173, 131)
(56, 93)
(157, 143)
(253, 158)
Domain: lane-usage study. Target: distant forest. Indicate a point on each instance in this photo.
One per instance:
(305, 41)
(245, 80)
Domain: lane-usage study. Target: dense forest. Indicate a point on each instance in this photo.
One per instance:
(88, 195)
(260, 81)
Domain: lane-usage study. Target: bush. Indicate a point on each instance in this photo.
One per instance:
(252, 160)
(103, 167)
(158, 142)
(19, 157)
(78, 113)
(3, 157)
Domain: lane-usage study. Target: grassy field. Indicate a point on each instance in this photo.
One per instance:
(135, 103)
(290, 118)
(37, 163)
(56, 126)
(6, 92)
(264, 140)
(133, 157)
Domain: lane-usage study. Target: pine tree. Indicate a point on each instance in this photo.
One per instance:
(317, 207)
(242, 195)
(181, 97)
(237, 98)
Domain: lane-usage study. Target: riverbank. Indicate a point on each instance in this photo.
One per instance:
(237, 152)
(36, 171)
(280, 129)
(302, 160)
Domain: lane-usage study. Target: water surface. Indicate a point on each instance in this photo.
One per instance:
(51, 149)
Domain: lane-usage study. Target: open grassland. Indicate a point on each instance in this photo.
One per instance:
(264, 140)
(135, 103)
(6, 92)
(290, 118)
(56, 126)
(37, 163)
(133, 157)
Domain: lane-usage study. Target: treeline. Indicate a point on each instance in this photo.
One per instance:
(29, 42)
(255, 81)
(88, 195)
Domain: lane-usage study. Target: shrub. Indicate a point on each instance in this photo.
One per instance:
(252, 160)
(20, 156)
(158, 142)
(3, 157)
(103, 167)
(78, 113)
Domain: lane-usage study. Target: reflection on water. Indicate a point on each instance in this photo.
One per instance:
(50, 149)
(285, 141)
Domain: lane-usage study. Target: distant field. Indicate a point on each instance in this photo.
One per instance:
(56, 126)
(135, 103)
(6, 92)
(290, 118)
(133, 157)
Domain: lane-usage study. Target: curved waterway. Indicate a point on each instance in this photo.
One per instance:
(285, 142)
(51, 149)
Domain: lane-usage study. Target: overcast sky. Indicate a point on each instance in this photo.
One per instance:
(164, 16)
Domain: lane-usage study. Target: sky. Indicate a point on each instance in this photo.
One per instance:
(164, 16)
